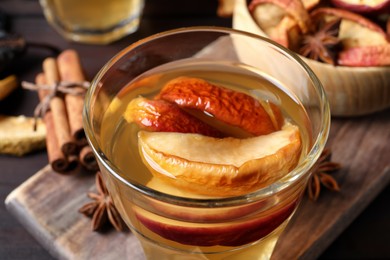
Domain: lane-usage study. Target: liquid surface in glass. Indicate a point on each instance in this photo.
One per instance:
(247, 231)
(119, 138)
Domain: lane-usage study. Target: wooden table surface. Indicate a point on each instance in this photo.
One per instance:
(366, 238)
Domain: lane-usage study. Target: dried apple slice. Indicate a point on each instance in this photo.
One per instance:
(286, 33)
(273, 21)
(223, 233)
(226, 105)
(162, 116)
(293, 8)
(364, 42)
(220, 166)
(282, 20)
(363, 6)
(355, 30)
(199, 214)
(365, 56)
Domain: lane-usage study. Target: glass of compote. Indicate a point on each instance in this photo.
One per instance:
(205, 138)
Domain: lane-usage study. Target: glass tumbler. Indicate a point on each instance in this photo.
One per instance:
(173, 225)
(93, 21)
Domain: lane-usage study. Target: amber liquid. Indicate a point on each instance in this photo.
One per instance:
(119, 142)
(95, 21)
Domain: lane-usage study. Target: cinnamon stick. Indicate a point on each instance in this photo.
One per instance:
(70, 70)
(56, 158)
(88, 159)
(57, 106)
(73, 161)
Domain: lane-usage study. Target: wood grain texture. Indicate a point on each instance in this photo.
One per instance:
(361, 146)
(47, 203)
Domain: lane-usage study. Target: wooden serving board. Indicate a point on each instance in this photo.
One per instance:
(47, 204)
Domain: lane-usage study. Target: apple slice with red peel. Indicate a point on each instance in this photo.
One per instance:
(364, 6)
(364, 42)
(235, 233)
(234, 108)
(220, 166)
(272, 19)
(198, 214)
(293, 8)
(266, 14)
(365, 56)
(162, 116)
(286, 33)
(355, 30)
(282, 20)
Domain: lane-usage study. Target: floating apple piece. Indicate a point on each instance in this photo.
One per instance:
(226, 105)
(186, 152)
(220, 214)
(220, 166)
(162, 116)
(224, 234)
(363, 6)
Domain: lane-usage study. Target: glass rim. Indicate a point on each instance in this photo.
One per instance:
(297, 173)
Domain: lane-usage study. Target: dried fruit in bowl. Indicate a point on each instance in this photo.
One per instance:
(331, 35)
(355, 30)
(364, 6)
(364, 43)
(365, 56)
(323, 43)
(358, 82)
(284, 21)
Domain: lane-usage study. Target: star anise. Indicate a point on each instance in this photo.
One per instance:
(102, 209)
(321, 175)
(322, 44)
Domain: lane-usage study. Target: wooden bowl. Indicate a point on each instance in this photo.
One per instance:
(352, 91)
